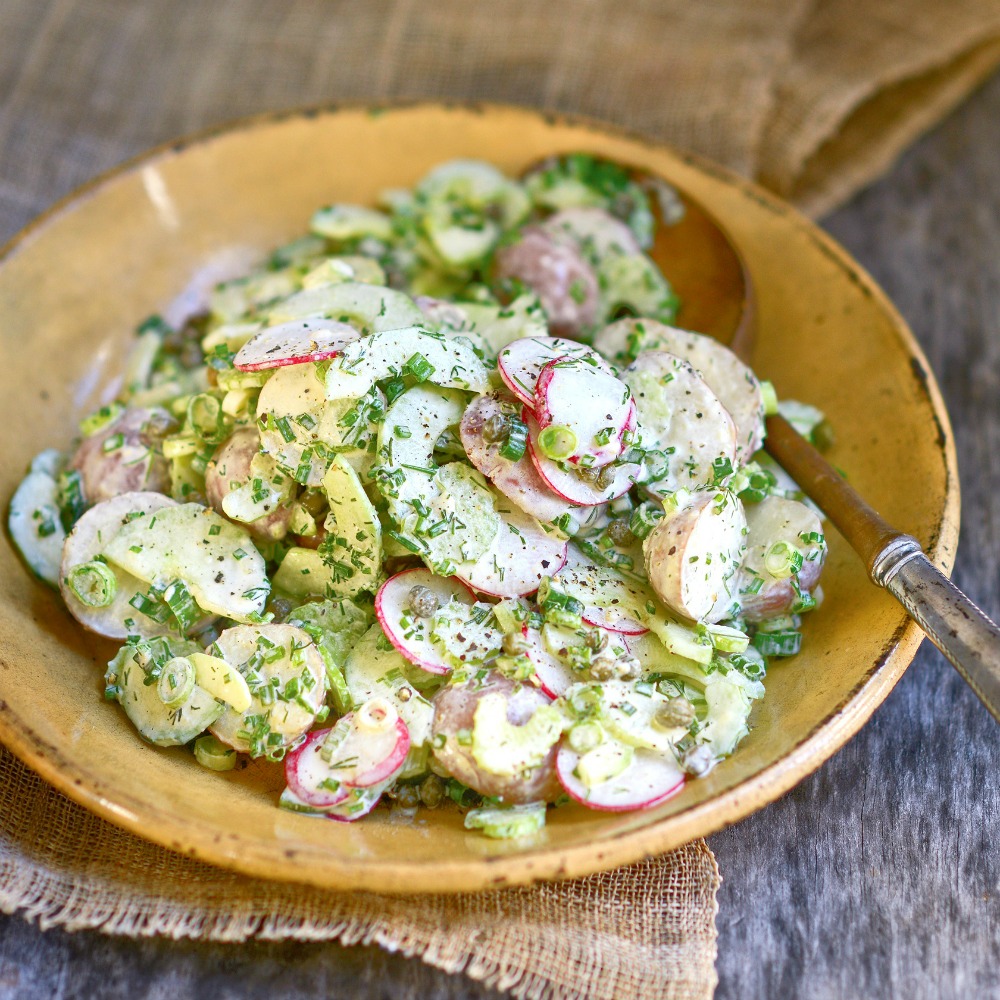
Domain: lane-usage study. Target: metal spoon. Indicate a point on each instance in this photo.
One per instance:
(709, 274)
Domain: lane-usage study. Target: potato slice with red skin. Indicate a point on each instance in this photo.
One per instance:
(732, 381)
(87, 540)
(229, 469)
(556, 271)
(454, 713)
(681, 416)
(518, 481)
(693, 558)
(776, 519)
(593, 231)
(109, 467)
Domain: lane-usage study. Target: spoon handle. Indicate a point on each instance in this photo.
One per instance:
(952, 622)
(965, 635)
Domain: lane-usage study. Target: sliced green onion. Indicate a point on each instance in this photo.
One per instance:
(180, 446)
(782, 560)
(182, 605)
(151, 606)
(644, 519)
(101, 418)
(770, 398)
(213, 754)
(726, 639)
(557, 442)
(94, 584)
(176, 682)
(204, 414)
(786, 643)
(517, 439)
(419, 367)
(70, 498)
(393, 389)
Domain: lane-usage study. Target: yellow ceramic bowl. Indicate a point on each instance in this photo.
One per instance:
(72, 288)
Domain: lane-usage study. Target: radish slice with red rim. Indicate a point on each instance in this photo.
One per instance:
(358, 804)
(520, 555)
(554, 676)
(366, 746)
(594, 405)
(650, 779)
(567, 483)
(409, 632)
(521, 362)
(308, 775)
(519, 480)
(294, 343)
(612, 620)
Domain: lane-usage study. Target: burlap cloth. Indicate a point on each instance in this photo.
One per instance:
(812, 98)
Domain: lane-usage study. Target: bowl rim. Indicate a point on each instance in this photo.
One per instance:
(543, 863)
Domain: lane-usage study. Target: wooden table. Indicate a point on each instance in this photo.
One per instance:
(879, 876)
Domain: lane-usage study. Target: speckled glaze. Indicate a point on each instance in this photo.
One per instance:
(72, 288)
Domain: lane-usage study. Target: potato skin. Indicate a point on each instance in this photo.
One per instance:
(558, 274)
(231, 464)
(135, 464)
(454, 710)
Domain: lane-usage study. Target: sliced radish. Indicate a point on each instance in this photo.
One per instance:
(522, 362)
(518, 481)
(358, 804)
(294, 343)
(520, 555)
(595, 405)
(649, 780)
(306, 772)
(367, 746)
(567, 483)
(407, 631)
(612, 620)
(554, 676)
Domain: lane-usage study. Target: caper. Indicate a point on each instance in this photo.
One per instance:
(619, 531)
(675, 712)
(628, 668)
(407, 796)
(494, 428)
(431, 791)
(605, 477)
(423, 601)
(589, 474)
(602, 667)
(597, 640)
(314, 501)
(280, 607)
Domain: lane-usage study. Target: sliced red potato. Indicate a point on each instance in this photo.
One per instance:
(88, 539)
(595, 232)
(694, 556)
(567, 483)
(454, 719)
(279, 659)
(649, 779)
(125, 456)
(520, 555)
(732, 381)
(229, 469)
(521, 362)
(592, 403)
(681, 417)
(556, 271)
(625, 339)
(761, 594)
(409, 631)
(294, 343)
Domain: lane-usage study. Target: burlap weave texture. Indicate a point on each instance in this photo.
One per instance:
(813, 97)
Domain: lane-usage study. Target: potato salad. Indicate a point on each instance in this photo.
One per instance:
(438, 505)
